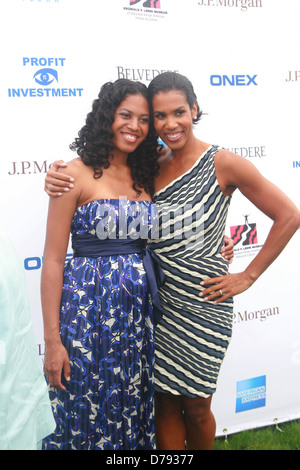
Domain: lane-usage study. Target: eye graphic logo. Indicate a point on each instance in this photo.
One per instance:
(244, 234)
(45, 76)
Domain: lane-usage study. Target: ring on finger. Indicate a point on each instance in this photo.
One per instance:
(49, 187)
(221, 291)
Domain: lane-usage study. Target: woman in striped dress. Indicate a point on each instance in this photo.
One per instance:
(193, 192)
(193, 335)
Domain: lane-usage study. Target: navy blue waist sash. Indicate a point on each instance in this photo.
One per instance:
(90, 246)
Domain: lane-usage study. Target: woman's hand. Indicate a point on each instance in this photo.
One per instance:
(223, 287)
(227, 250)
(55, 182)
(56, 361)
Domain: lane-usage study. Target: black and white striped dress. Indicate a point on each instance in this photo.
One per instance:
(193, 336)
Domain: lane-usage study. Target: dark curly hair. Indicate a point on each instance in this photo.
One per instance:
(94, 142)
(167, 81)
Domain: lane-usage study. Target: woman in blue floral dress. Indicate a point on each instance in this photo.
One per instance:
(98, 315)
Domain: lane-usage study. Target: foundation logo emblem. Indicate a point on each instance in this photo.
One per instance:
(245, 239)
(244, 234)
(145, 10)
(146, 4)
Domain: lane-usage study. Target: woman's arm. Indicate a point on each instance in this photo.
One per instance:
(57, 182)
(227, 250)
(236, 172)
(60, 215)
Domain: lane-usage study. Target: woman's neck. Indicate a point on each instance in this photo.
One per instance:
(118, 159)
(189, 152)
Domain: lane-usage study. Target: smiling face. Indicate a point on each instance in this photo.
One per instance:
(131, 123)
(173, 118)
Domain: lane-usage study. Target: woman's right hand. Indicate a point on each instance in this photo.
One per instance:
(56, 182)
(56, 361)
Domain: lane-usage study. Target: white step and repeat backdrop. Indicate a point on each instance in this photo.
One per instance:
(243, 58)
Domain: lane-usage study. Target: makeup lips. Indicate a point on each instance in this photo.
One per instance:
(174, 136)
(132, 138)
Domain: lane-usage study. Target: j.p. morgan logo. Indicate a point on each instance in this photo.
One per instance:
(44, 73)
(28, 167)
(293, 76)
(260, 315)
(243, 5)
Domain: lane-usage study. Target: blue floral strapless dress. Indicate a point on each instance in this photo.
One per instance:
(106, 323)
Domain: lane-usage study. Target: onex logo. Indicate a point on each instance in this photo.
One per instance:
(250, 394)
(233, 80)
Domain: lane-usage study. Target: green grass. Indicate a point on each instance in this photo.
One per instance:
(268, 438)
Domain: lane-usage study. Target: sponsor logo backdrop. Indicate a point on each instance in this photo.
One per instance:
(242, 56)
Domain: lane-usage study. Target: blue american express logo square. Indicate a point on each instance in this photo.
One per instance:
(250, 394)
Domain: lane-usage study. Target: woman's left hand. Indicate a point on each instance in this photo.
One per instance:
(223, 287)
(227, 250)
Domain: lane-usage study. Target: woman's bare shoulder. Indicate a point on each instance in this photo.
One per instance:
(74, 167)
